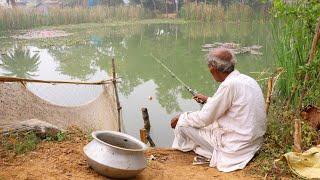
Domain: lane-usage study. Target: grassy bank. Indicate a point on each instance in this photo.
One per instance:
(294, 29)
(18, 18)
(211, 12)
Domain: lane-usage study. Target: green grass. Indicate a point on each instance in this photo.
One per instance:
(20, 143)
(291, 47)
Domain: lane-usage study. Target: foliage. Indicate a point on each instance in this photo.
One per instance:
(19, 18)
(294, 29)
(279, 140)
(20, 143)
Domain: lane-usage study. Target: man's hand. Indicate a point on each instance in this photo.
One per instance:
(174, 121)
(200, 98)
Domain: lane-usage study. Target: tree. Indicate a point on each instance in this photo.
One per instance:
(12, 2)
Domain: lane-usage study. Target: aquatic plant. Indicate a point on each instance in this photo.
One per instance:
(19, 18)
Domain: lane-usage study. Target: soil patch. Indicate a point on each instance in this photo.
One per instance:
(65, 160)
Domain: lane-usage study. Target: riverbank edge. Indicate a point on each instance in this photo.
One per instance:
(65, 159)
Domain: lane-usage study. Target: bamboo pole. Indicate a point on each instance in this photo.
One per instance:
(17, 79)
(116, 93)
(297, 147)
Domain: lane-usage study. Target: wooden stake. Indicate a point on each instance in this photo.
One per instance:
(116, 93)
(146, 121)
(269, 93)
(145, 132)
(297, 136)
(144, 135)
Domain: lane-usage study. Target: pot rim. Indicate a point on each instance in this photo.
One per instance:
(143, 146)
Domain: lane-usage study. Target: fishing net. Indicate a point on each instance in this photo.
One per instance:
(89, 107)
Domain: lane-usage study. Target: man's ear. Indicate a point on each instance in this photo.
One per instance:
(211, 69)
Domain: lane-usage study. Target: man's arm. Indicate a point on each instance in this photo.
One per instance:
(215, 107)
(200, 98)
(174, 121)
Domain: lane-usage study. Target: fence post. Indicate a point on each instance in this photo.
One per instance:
(114, 81)
(145, 131)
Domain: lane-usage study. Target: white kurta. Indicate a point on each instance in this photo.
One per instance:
(233, 122)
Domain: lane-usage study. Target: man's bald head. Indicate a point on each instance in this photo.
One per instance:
(222, 59)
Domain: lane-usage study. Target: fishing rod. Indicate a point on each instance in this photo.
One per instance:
(191, 91)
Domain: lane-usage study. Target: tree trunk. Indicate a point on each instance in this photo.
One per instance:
(177, 6)
(165, 1)
(84, 3)
(154, 5)
(13, 3)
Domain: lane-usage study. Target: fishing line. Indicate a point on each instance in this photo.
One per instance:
(191, 91)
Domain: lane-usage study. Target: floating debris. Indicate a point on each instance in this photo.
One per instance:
(234, 47)
(39, 34)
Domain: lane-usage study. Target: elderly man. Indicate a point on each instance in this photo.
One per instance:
(229, 129)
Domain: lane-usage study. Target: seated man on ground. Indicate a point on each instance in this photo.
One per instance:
(229, 129)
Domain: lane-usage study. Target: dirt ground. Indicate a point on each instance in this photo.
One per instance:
(65, 160)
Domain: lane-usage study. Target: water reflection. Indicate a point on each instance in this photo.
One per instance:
(76, 61)
(20, 62)
(178, 46)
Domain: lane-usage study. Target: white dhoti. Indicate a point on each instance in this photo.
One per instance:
(190, 139)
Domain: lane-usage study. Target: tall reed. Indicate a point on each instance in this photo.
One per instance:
(293, 32)
(291, 49)
(212, 12)
(18, 18)
(202, 12)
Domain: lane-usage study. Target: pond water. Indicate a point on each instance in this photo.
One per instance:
(86, 56)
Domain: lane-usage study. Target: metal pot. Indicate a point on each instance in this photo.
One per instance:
(116, 155)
